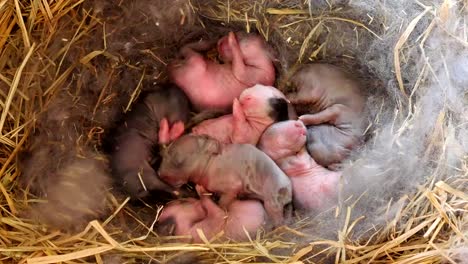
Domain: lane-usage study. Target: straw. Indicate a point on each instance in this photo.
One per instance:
(429, 226)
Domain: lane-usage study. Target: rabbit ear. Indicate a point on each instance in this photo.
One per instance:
(164, 132)
(177, 130)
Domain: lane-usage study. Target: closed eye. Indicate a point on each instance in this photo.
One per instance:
(177, 162)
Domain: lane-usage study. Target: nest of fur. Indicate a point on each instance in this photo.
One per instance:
(69, 69)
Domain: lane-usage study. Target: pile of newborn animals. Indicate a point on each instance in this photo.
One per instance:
(260, 160)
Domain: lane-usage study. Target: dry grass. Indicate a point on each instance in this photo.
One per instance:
(428, 229)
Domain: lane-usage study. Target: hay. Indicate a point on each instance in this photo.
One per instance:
(430, 226)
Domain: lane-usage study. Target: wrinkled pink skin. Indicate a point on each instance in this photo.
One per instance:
(213, 86)
(232, 171)
(313, 185)
(204, 214)
(250, 117)
(168, 133)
